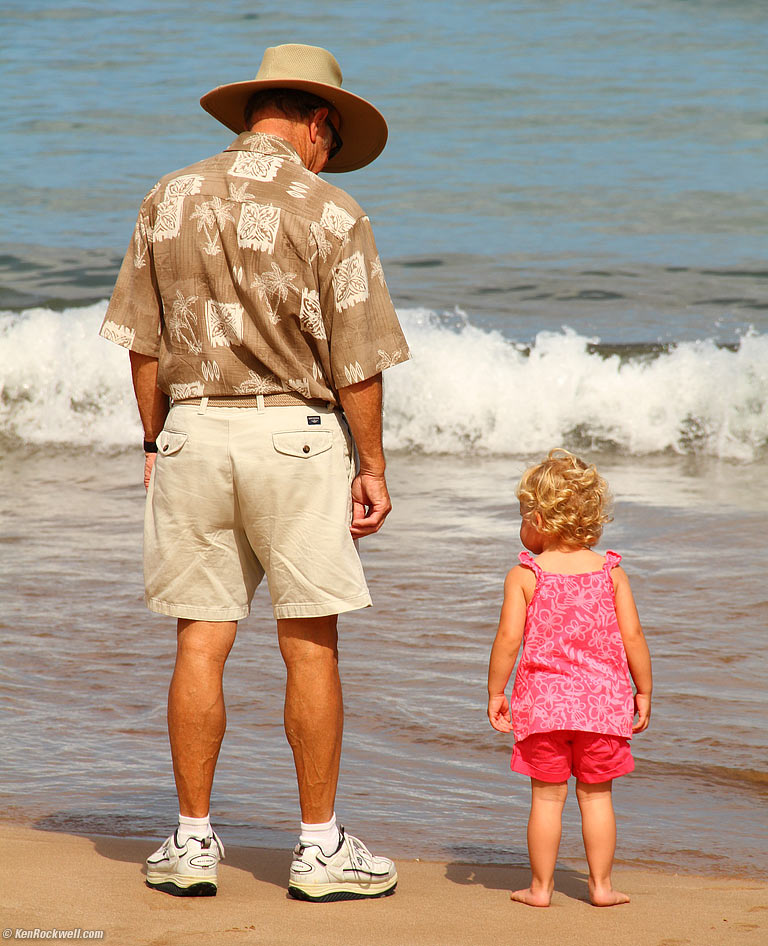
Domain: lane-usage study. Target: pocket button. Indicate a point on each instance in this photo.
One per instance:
(306, 448)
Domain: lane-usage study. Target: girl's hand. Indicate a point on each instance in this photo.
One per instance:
(499, 714)
(643, 712)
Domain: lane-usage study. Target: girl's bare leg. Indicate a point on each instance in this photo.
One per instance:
(598, 828)
(544, 830)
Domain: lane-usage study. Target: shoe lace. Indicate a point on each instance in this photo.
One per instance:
(359, 853)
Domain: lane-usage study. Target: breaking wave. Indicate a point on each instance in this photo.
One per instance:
(467, 390)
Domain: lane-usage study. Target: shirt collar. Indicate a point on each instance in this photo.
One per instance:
(258, 142)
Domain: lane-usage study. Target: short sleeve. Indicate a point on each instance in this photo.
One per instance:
(365, 334)
(134, 316)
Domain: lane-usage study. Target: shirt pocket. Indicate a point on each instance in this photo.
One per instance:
(303, 444)
(170, 442)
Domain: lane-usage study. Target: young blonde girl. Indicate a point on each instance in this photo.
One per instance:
(572, 706)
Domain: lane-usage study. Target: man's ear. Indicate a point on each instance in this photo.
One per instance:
(318, 119)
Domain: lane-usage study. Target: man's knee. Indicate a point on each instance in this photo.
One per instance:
(304, 639)
(205, 640)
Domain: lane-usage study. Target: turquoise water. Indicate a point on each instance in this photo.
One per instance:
(581, 130)
(582, 163)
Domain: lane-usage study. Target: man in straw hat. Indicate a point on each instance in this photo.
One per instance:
(254, 307)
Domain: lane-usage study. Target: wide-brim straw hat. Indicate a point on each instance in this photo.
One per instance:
(311, 69)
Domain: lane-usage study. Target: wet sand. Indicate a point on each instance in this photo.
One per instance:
(67, 882)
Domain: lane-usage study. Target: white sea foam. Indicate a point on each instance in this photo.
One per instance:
(467, 390)
(60, 383)
(472, 390)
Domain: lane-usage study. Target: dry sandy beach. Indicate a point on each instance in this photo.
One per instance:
(67, 882)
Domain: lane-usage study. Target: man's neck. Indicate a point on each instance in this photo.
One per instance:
(289, 131)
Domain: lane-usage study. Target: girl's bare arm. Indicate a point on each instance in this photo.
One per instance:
(636, 648)
(505, 648)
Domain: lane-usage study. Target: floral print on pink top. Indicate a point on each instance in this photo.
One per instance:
(573, 673)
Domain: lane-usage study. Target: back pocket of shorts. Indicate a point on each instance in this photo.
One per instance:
(170, 442)
(304, 444)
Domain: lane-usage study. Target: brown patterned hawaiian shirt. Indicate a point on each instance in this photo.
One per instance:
(249, 274)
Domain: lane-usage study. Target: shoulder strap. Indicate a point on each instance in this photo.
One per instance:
(525, 558)
(612, 559)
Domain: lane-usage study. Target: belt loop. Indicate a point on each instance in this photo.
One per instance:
(203, 405)
(260, 403)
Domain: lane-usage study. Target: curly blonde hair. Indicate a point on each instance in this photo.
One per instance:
(569, 495)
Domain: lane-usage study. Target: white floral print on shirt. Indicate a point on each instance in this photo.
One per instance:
(224, 323)
(180, 392)
(310, 314)
(336, 220)
(258, 384)
(350, 282)
(258, 167)
(258, 226)
(120, 334)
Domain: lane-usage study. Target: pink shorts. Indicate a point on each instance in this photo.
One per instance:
(590, 756)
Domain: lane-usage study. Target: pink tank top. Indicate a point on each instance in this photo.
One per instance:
(573, 673)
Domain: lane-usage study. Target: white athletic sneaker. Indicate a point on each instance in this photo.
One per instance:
(186, 870)
(350, 873)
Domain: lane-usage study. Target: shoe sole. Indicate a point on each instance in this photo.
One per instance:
(199, 888)
(330, 893)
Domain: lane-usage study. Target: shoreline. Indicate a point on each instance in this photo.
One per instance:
(63, 881)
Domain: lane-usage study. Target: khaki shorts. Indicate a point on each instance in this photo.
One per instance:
(237, 493)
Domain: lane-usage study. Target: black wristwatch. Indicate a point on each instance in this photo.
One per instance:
(150, 446)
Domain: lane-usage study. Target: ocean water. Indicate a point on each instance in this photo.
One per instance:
(571, 215)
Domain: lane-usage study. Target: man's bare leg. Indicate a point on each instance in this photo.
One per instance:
(197, 718)
(314, 712)
(598, 828)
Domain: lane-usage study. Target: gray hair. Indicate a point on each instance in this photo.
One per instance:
(293, 103)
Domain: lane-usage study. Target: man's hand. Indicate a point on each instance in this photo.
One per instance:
(370, 499)
(370, 504)
(149, 462)
(151, 401)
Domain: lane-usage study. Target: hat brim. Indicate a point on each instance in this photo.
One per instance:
(363, 127)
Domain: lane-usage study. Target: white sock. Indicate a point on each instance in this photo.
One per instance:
(193, 828)
(325, 836)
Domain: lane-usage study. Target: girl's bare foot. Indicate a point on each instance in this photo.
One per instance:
(539, 899)
(605, 896)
